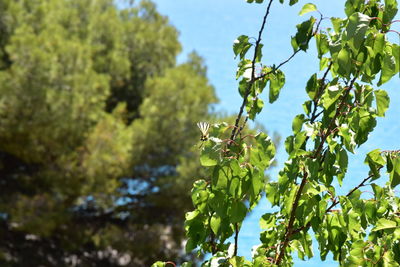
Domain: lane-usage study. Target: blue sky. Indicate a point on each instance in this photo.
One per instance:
(211, 26)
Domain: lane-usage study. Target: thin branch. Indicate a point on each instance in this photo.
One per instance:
(335, 202)
(289, 228)
(332, 122)
(277, 67)
(352, 191)
(287, 60)
(319, 93)
(247, 93)
(319, 23)
(274, 68)
(236, 239)
(292, 55)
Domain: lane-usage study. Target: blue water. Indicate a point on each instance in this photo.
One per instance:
(211, 26)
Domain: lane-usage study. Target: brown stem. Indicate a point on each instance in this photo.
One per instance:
(236, 238)
(335, 202)
(351, 191)
(289, 229)
(274, 69)
(332, 122)
(253, 69)
(321, 89)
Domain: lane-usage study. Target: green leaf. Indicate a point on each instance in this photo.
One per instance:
(337, 24)
(362, 122)
(259, 105)
(289, 198)
(322, 44)
(303, 35)
(395, 173)
(307, 8)
(323, 63)
(259, 53)
(313, 167)
(375, 157)
(276, 83)
(221, 176)
(389, 259)
(294, 144)
(298, 123)
(262, 154)
(296, 245)
(379, 43)
(307, 107)
(370, 209)
(378, 191)
(237, 212)
(390, 11)
(375, 161)
(357, 253)
(191, 244)
(191, 215)
(257, 181)
(209, 155)
(267, 221)
(158, 264)
(244, 69)
(330, 96)
(356, 29)
(272, 192)
(344, 62)
(241, 45)
(388, 68)
(343, 161)
(219, 203)
(312, 86)
(382, 102)
(334, 48)
(215, 224)
(294, 43)
(384, 224)
(243, 85)
(237, 261)
(234, 188)
(396, 55)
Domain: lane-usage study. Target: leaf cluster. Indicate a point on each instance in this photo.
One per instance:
(344, 102)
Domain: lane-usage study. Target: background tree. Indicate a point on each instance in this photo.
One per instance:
(97, 127)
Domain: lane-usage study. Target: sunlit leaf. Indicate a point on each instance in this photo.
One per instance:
(307, 8)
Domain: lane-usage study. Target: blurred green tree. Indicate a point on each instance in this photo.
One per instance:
(97, 133)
